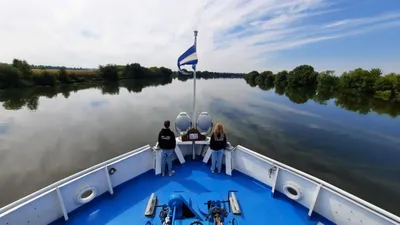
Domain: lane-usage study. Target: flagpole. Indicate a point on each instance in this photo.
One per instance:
(194, 85)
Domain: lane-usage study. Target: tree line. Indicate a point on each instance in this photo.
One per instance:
(358, 82)
(358, 90)
(20, 74)
(49, 67)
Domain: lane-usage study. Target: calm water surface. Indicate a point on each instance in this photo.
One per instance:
(47, 134)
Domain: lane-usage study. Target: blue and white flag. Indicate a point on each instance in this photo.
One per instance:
(188, 58)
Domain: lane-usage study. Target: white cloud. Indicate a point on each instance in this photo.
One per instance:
(233, 35)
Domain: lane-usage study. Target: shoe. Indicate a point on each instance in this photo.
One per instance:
(212, 171)
(172, 172)
(163, 174)
(219, 171)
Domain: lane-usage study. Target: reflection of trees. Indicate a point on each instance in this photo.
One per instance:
(300, 95)
(353, 103)
(137, 85)
(251, 82)
(14, 99)
(111, 88)
(266, 87)
(361, 104)
(183, 78)
(280, 90)
(32, 103)
(323, 96)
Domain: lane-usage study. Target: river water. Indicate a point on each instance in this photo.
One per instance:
(48, 133)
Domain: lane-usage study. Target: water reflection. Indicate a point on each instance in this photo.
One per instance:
(15, 99)
(59, 131)
(362, 105)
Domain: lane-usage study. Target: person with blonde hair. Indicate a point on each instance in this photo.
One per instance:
(217, 145)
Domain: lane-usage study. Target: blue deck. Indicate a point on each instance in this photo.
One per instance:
(194, 178)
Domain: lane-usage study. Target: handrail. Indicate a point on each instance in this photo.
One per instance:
(324, 183)
(60, 182)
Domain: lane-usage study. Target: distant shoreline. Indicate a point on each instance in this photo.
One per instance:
(20, 74)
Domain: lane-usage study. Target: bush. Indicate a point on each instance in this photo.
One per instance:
(45, 79)
(63, 76)
(9, 76)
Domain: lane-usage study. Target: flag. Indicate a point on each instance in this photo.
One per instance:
(188, 58)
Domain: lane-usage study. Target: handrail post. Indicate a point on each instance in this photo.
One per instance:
(110, 188)
(314, 200)
(61, 201)
(275, 180)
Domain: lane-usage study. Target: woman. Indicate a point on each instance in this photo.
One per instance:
(217, 145)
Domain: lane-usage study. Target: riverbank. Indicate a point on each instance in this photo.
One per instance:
(20, 74)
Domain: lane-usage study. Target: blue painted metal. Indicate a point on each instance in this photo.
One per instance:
(176, 203)
(193, 179)
(174, 216)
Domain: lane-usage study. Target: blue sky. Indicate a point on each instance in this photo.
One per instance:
(234, 36)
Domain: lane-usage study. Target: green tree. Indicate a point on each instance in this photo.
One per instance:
(376, 72)
(327, 81)
(386, 87)
(270, 78)
(251, 77)
(260, 79)
(63, 76)
(166, 72)
(133, 70)
(358, 82)
(9, 76)
(24, 67)
(302, 76)
(109, 72)
(281, 79)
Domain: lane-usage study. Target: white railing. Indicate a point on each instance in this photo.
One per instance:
(319, 185)
(61, 204)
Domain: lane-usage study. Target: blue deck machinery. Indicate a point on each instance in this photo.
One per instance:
(181, 207)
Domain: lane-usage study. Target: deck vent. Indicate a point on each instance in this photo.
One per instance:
(151, 206)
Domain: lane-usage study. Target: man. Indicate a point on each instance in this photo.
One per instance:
(167, 143)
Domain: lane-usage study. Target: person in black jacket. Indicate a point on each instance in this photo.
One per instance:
(217, 145)
(167, 143)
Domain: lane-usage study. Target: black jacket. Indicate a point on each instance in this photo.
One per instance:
(166, 139)
(218, 143)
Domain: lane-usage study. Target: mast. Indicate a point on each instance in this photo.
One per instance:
(194, 84)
